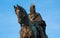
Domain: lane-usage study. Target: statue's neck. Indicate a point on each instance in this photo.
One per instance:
(26, 21)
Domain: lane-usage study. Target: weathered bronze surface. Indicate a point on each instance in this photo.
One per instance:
(32, 25)
(36, 18)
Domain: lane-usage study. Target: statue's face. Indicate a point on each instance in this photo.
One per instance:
(32, 9)
(19, 14)
(17, 10)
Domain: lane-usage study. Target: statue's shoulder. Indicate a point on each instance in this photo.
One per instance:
(38, 13)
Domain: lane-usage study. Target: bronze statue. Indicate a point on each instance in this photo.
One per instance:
(36, 18)
(29, 29)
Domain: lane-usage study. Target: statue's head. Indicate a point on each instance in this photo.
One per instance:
(20, 12)
(32, 8)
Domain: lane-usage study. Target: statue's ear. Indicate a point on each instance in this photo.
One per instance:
(18, 5)
(14, 7)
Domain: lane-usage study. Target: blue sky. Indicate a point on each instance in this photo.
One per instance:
(49, 10)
